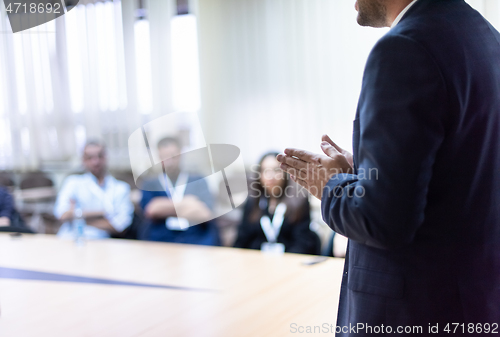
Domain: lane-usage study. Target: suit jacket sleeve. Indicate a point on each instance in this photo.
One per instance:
(401, 117)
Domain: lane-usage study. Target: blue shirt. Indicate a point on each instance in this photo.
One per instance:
(156, 230)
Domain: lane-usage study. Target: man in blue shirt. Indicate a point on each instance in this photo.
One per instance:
(195, 202)
(101, 200)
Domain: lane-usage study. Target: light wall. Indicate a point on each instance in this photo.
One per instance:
(279, 73)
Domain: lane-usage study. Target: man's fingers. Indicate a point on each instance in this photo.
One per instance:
(303, 155)
(302, 174)
(293, 162)
(329, 150)
(327, 139)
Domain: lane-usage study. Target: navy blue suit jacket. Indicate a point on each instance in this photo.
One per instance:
(422, 210)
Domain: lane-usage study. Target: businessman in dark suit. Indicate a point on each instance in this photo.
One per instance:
(419, 199)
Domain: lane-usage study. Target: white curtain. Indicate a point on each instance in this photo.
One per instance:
(75, 77)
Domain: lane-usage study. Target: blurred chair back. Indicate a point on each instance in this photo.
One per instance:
(7, 180)
(125, 176)
(35, 180)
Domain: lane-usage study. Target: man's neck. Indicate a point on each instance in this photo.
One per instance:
(273, 202)
(100, 178)
(394, 8)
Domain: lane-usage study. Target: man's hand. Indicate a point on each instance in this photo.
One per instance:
(193, 209)
(345, 153)
(70, 213)
(190, 207)
(101, 223)
(4, 221)
(160, 208)
(313, 171)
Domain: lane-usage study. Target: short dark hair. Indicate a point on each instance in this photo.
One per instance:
(169, 140)
(94, 142)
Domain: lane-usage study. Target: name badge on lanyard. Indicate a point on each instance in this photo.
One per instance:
(272, 230)
(177, 194)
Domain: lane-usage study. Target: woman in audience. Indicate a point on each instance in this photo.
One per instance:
(276, 216)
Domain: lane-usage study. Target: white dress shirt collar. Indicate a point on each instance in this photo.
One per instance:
(93, 178)
(403, 12)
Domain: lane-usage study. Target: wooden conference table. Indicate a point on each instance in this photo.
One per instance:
(51, 287)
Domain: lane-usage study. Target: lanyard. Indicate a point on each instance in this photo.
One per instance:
(177, 191)
(272, 229)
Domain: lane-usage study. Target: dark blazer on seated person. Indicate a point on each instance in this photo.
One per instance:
(156, 230)
(294, 234)
(6, 203)
(7, 209)
(425, 231)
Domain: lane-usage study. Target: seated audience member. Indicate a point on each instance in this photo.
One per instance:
(10, 219)
(101, 200)
(6, 207)
(194, 202)
(276, 213)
